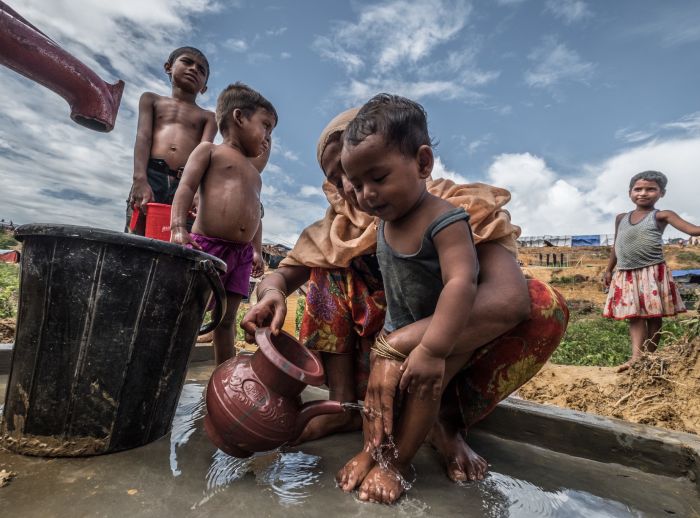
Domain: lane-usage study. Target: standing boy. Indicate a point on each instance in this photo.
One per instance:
(228, 219)
(169, 128)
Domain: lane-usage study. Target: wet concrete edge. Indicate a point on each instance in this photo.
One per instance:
(603, 439)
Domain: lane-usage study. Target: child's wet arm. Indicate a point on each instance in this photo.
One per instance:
(144, 135)
(196, 166)
(458, 263)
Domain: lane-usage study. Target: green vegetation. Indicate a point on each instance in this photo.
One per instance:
(691, 258)
(7, 241)
(605, 342)
(9, 289)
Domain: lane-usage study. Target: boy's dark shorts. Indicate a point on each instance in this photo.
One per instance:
(163, 182)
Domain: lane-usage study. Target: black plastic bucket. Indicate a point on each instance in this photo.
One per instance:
(105, 326)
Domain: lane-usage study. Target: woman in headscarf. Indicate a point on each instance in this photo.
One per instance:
(345, 307)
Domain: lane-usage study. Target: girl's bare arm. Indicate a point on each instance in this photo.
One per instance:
(671, 218)
(607, 275)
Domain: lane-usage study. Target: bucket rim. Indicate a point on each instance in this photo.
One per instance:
(114, 237)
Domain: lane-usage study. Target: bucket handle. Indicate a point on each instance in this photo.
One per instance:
(219, 295)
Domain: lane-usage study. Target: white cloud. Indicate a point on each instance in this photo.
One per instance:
(394, 44)
(555, 63)
(632, 136)
(440, 171)
(545, 203)
(569, 10)
(236, 45)
(307, 191)
(400, 32)
(357, 91)
(672, 27)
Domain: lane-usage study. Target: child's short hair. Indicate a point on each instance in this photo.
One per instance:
(402, 122)
(242, 97)
(188, 50)
(650, 176)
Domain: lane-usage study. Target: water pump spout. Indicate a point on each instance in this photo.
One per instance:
(29, 52)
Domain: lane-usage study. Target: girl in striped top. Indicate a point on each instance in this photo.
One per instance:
(641, 289)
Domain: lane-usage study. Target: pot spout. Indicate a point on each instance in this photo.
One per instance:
(312, 409)
(28, 51)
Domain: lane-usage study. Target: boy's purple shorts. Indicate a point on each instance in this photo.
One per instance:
(237, 256)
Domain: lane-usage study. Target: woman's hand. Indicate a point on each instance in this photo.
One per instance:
(383, 381)
(270, 311)
(423, 373)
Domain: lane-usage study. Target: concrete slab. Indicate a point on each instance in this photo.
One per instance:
(183, 475)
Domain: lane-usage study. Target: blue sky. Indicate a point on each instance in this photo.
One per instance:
(560, 101)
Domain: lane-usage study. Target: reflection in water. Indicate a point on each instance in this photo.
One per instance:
(512, 497)
(190, 408)
(288, 475)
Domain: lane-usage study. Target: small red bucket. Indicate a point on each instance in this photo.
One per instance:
(158, 221)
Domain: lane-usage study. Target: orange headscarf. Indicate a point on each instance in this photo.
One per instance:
(346, 232)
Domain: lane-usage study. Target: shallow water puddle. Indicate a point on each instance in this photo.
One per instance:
(184, 475)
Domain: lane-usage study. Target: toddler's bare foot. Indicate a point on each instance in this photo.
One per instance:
(355, 470)
(461, 462)
(327, 424)
(382, 485)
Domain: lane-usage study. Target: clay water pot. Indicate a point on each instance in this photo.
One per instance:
(253, 401)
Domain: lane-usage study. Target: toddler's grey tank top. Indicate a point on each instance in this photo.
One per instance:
(639, 245)
(413, 282)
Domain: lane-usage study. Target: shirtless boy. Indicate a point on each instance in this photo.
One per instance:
(228, 220)
(169, 128)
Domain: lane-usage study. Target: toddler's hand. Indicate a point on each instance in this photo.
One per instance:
(258, 265)
(180, 236)
(423, 373)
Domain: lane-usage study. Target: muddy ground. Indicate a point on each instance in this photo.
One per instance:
(661, 390)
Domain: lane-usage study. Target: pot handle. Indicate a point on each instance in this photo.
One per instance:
(217, 289)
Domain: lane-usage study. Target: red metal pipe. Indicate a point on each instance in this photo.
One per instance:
(28, 51)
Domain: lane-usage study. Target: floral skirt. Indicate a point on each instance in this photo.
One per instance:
(344, 312)
(500, 367)
(647, 292)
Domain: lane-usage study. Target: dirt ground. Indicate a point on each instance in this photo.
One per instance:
(661, 390)
(7, 330)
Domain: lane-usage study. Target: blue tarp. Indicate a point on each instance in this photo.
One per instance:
(592, 240)
(683, 273)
